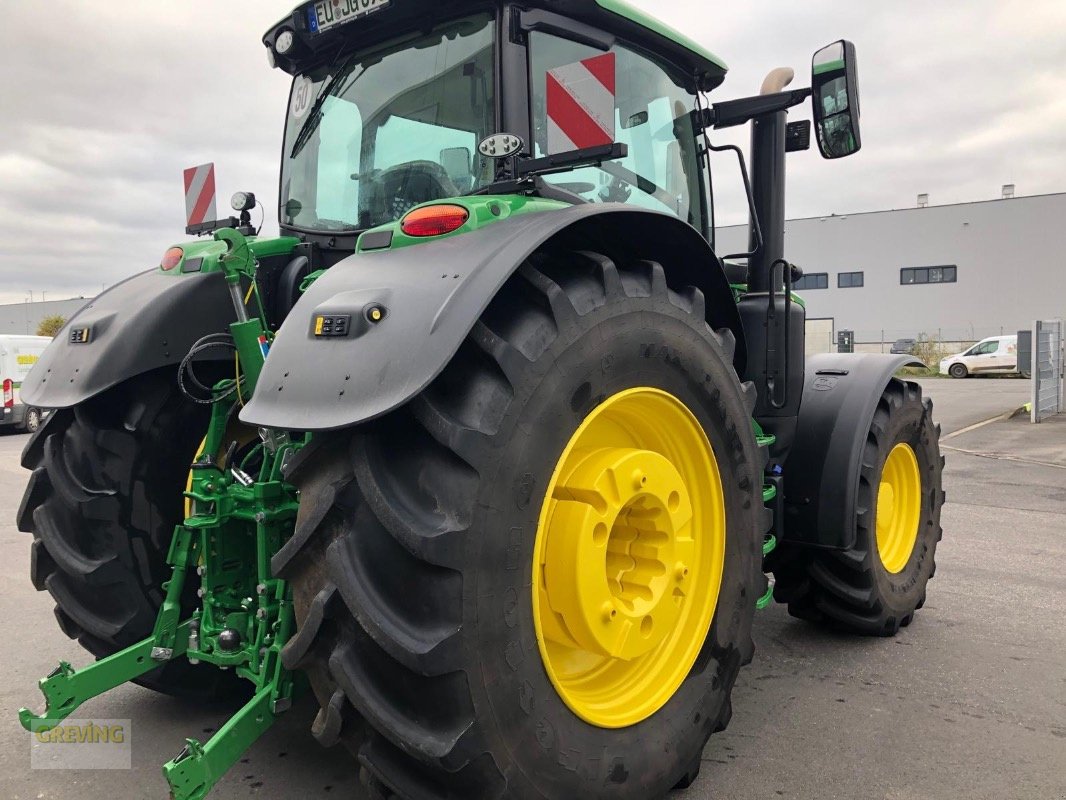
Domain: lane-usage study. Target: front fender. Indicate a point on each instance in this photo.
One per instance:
(840, 396)
(433, 293)
(148, 321)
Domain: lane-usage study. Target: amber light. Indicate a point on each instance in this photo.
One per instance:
(171, 258)
(434, 220)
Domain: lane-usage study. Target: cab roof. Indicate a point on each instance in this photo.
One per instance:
(614, 17)
(656, 29)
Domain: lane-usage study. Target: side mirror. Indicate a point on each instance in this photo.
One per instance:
(835, 93)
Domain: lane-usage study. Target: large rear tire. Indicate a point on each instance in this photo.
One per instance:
(102, 503)
(412, 562)
(875, 587)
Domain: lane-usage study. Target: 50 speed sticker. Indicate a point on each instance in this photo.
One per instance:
(302, 96)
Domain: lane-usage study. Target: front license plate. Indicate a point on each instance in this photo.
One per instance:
(327, 14)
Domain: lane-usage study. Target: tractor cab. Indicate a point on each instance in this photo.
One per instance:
(385, 114)
(391, 98)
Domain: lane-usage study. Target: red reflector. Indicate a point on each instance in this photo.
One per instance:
(9, 393)
(171, 258)
(434, 220)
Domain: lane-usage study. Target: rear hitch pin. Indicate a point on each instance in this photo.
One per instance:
(242, 477)
(194, 640)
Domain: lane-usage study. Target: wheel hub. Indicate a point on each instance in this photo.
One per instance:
(619, 545)
(629, 557)
(899, 507)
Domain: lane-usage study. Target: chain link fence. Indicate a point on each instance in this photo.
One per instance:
(940, 341)
(1047, 369)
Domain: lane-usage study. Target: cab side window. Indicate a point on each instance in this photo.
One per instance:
(662, 171)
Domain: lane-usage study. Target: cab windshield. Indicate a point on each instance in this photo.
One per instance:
(369, 137)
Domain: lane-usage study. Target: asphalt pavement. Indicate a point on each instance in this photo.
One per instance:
(968, 702)
(960, 403)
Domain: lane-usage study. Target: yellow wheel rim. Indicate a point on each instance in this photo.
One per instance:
(628, 557)
(899, 507)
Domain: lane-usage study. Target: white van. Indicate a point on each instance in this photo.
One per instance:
(995, 355)
(17, 355)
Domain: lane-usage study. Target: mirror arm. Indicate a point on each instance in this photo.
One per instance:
(736, 112)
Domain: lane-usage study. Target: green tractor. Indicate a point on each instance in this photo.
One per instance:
(490, 448)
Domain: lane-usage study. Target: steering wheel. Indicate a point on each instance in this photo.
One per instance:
(404, 186)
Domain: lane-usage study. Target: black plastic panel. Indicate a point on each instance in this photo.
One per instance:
(146, 322)
(432, 294)
(840, 397)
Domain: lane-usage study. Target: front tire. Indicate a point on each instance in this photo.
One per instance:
(958, 371)
(875, 587)
(413, 555)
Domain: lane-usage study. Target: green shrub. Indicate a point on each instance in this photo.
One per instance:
(50, 325)
(929, 350)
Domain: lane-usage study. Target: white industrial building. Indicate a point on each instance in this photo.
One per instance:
(958, 272)
(23, 318)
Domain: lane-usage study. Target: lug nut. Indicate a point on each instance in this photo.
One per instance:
(639, 479)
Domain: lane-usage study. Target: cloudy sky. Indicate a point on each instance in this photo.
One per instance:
(104, 103)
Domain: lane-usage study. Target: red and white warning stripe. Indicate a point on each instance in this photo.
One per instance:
(580, 101)
(199, 194)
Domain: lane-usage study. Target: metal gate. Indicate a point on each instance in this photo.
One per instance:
(1047, 369)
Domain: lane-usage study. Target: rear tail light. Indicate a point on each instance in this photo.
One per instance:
(171, 258)
(434, 220)
(9, 393)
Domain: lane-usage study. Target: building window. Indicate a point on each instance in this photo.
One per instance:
(849, 280)
(942, 274)
(816, 280)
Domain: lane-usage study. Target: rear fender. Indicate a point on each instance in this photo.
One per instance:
(148, 321)
(432, 294)
(840, 396)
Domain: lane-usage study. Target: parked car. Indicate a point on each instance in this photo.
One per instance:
(996, 355)
(903, 346)
(17, 355)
